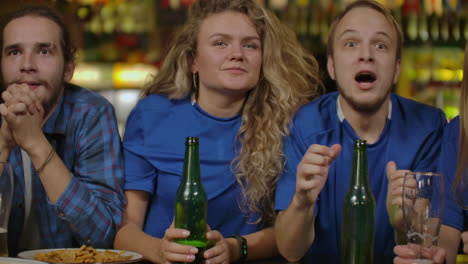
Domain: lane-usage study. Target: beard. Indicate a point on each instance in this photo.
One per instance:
(48, 103)
(368, 107)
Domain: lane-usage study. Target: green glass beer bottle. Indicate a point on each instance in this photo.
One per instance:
(191, 203)
(357, 220)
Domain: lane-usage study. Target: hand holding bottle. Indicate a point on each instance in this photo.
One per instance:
(406, 255)
(220, 252)
(312, 172)
(170, 251)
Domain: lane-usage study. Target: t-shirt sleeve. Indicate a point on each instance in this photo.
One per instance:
(139, 172)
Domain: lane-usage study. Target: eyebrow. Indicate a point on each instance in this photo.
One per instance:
(39, 44)
(230, 37)
(380, 33)
(11, 46)
(46, 45)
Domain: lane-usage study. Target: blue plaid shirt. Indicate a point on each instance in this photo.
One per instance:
(83, 131)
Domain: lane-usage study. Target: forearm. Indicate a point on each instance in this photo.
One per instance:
(295, 239)
(130, 237)
(261, 244)
(54, 175)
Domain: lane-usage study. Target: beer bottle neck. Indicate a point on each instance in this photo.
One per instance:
(360, 170)
(191, 171)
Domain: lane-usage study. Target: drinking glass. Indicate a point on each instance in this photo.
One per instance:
(423, 205)
(6, 194)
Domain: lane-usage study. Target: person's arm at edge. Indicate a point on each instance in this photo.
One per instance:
(449, 239)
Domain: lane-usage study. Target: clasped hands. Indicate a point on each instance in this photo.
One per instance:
(22, 116)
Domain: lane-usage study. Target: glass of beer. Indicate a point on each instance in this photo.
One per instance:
(6, 195)
(423, 206)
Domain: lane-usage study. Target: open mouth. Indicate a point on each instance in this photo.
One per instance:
(365, 77)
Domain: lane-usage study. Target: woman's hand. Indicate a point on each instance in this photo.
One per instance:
(170, 251)
(220, 252)
(406, 255)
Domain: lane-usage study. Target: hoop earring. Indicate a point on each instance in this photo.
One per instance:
(195, 81)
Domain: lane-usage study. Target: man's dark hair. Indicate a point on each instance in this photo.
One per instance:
(68, 49)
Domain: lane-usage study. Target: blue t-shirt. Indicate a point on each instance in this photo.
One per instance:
(453, 213)
(411, 138)
(154, 148)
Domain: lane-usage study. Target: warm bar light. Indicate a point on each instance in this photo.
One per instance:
(132, 75)
(93, 76)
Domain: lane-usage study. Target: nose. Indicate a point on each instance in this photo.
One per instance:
(28, 63)
(236, 53)
(366, 54)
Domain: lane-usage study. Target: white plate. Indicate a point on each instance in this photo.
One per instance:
(5, 260)
(30, 255)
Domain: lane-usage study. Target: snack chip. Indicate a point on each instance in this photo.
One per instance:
(85, 254)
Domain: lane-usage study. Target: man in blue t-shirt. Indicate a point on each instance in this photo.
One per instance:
(364, 51)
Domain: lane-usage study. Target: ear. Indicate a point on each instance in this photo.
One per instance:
(397, 71)
(69, 70)
(331, 67)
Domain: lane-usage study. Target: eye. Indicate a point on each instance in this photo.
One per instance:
(13, 52)
(251, 45)
(381, 46)
(350, 44)
(219, 43)
(44, 51)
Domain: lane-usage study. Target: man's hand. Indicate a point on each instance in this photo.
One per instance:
(394, 196)
(312, 172)
(407, 255)
(23, 114)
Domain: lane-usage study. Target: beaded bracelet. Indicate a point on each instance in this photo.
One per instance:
(243, 248)
(49, 157)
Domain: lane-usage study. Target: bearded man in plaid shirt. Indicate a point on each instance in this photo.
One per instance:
(61, 139)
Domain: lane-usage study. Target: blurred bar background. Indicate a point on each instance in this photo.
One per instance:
(121, 43)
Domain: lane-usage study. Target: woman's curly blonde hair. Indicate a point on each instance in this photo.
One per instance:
(289, 78)
(460, 185)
